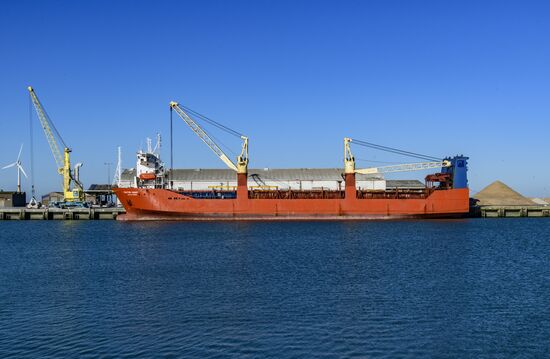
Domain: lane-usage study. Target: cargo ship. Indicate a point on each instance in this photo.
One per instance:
(153, 195)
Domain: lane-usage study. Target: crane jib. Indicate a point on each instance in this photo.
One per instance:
(243, 159)
(42, 117)
(74, 196)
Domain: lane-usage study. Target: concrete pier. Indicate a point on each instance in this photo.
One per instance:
(60, 214)
(112, 213)
(514, 211)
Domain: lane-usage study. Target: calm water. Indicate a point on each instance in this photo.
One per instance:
(471, 288)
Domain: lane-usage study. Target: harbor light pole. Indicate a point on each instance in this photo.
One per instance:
(108, 164)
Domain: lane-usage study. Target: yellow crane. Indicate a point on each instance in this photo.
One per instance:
(72, 196)
(242, 160)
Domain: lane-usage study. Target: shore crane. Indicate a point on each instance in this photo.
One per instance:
(349, 162)
(72, 196)
(241, 167)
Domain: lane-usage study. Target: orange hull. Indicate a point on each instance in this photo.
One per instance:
(142, 203)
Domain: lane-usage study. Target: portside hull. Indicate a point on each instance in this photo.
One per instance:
(155, 204)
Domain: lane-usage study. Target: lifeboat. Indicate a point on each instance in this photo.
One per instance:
(147, 176)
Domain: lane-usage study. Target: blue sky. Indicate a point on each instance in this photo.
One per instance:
(433, 77)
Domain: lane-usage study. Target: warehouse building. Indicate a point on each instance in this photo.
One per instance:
(12, 199)
(281, 179)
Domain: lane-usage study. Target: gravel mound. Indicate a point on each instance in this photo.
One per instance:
(499, 194)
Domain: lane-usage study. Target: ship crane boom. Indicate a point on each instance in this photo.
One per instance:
(349, 160)
(406, 167)
(242, 160)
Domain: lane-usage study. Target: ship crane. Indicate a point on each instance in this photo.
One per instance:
(241, 167)
(74, 196)
(349, 160)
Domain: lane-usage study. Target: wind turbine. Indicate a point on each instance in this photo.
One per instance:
(20, 169)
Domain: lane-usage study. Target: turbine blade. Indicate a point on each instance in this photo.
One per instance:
(8, 166)
(19, 155)
(22, 170)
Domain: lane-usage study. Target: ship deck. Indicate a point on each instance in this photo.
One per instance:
(310, 194)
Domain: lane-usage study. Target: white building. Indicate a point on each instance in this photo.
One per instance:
(294, 178)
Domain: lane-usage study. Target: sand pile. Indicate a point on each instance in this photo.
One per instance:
(499, 194)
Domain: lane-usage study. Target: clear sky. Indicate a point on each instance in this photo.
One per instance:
(434, 77)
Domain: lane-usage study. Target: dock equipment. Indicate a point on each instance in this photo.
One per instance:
(73, 195)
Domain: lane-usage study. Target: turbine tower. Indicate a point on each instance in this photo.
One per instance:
(20, 169)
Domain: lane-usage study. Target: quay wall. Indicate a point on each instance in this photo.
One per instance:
(60, 214)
